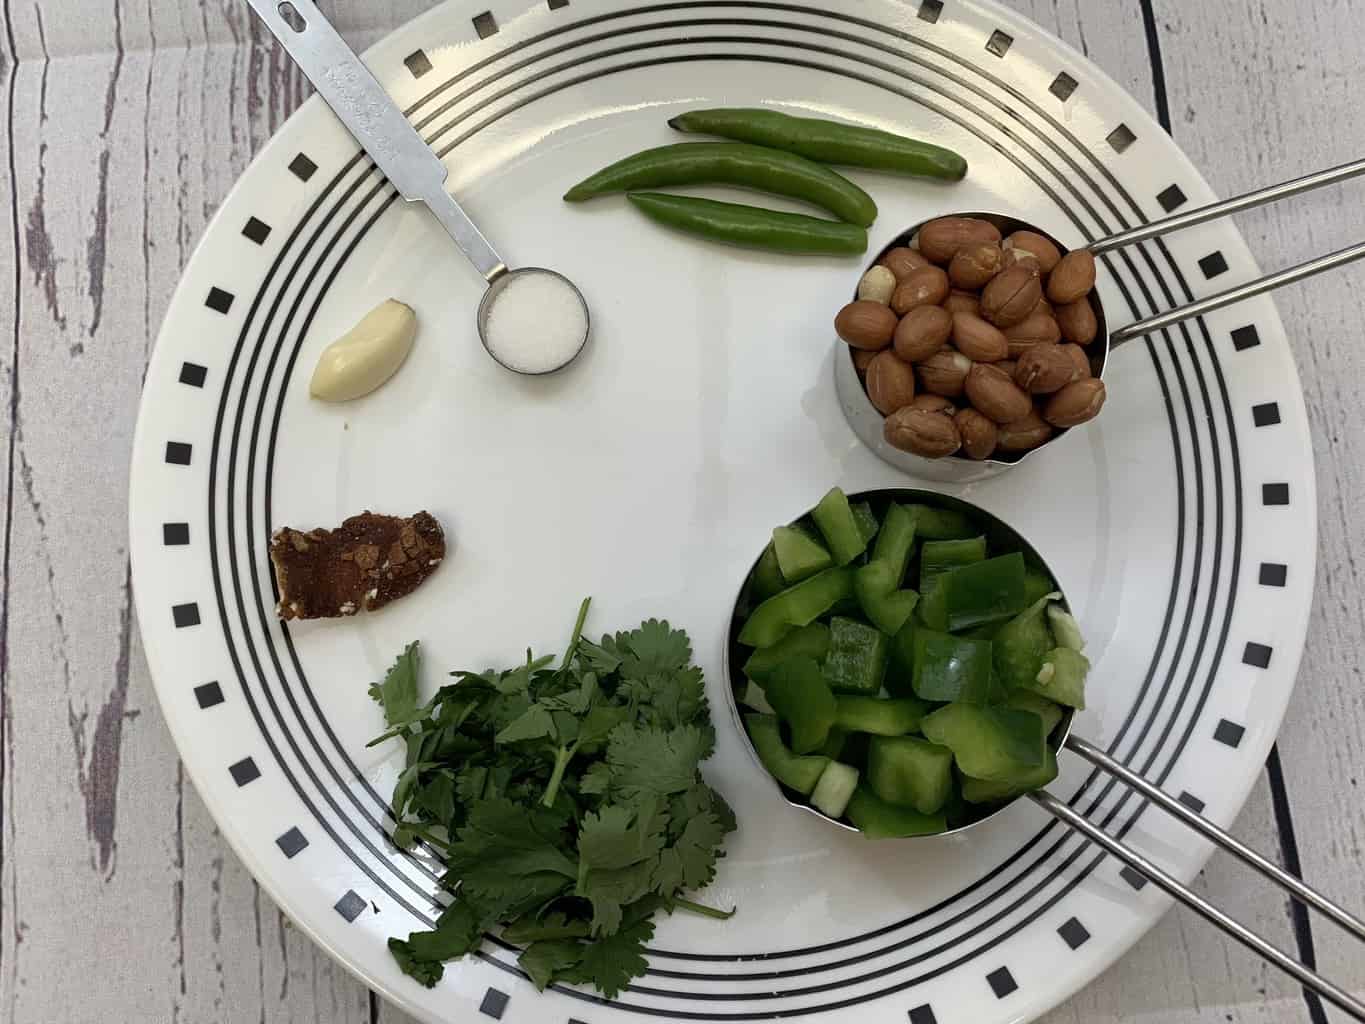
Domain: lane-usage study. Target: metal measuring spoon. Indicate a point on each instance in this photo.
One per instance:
(418, 174)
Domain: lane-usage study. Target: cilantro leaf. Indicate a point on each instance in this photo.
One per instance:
(692, 859)
(457, 932)
(654, 647)
(509, 858)
(397, 694)
(545, 961)
(532, 724)
(617, 837)
(651, 760)
(554, 926)
(610, 891)
(427, 972)
(611, 961)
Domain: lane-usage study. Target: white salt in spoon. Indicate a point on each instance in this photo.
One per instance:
(533, 321)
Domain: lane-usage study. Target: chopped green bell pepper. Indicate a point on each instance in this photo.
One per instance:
(1050, 713)
(838, 526)
(835, 789)
(900, 669)
(755, 698)
(1021, 645)
(857, 657)
(806, 642)
(949, 668)
(1065, 629)
(983, 592)
(835, 743)
(792, 770)
(941, 523)
(980, 791)
(799, 555)
(939, 556)
(877, 819)
(896, 542)
(767, 578)
(878, 716)
(910, 772)
(886, 607)
(800, 696)
(1061, 677)
(866, 520)
(796, 606)
(993, 743)
(1037, 585)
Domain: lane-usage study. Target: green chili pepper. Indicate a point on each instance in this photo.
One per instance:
(732, 163)
(752, 226)
(827, 141)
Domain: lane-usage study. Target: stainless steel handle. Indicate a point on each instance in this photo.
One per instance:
(385, 133)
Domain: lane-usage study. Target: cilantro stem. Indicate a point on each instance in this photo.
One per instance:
(562, 758)
(702, 909)
(577, 635)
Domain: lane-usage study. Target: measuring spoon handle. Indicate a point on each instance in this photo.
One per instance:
(367, 111)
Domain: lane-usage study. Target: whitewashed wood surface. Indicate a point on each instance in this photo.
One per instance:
(127, 121)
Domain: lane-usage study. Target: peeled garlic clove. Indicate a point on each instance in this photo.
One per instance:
(367, 355)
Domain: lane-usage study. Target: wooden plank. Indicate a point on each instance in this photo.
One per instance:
(1281, 99)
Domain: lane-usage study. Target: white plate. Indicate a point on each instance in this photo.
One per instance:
(648, 475)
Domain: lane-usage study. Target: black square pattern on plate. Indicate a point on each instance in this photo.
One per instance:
(1229, 733)
(244, 771)
(1120, 138)
(178, 453)
(418, 63)
(175, 535)
(1063, 86)
(1267, 414)
(1074, 934)
(1273, 574)
(350, 905)
(1002, 982)
(1257, 655)
(923, 1015)
(1213, 264)
(1191, 801)
(302, 168)
(999, 43)
(494, 1004)
(219, 301)
(1274, 494)
(209, 695)
(292, 842)
(257, 231)
(1171, 198)
(1134, 878)
(485, 24)
(1245, 337)
(557, 4)
(185, 615)
(193, 374)
(929, 11)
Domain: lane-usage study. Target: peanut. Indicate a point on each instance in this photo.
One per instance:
(862, 358)
(995, 395)
(978, 433)
(1078, 322)
(1023, 434)
(1011, 296)
(866, 324)
(939, 240)
(1010, 258)
(929, 434)
(890, 383)
(922, 332)
(1078, 357)
(934, 403)
(367, 355)
(901, 260)
(1073, 278)
(1077, 403)
(1044, 369)
(978, 340)
(945, 373)
(927, 286)
(974, 265)
(963, 302)
(1036, 245)
(1038, 329)
(877, 285)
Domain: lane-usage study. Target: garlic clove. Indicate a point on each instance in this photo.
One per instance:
(366, 356)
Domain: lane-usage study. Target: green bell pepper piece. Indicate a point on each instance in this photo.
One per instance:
(977, 594)
(992, 743)
(798, 693)
(980, 791)
(877, 819)
(835, 789)
(1037, 585)
(900, 669)
(1050, 713)
(1061, 677)
(1020, 646)
(792, 770)
(886, 607)
(896, 542)
(799, 555)
(880, 717)
(939, 556)
(949, 668)
(807, 642)
(910, 772)
(866, 520)
(857, 657)
(835, 743)
(941, 523)
(767, 578)
(838, 526)
(1065, 629)
(796, 606)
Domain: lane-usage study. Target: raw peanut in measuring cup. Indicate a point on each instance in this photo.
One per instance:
(922, 332)
(1044, 369)
(978, 433)
(995, 394)
(1077, 321)
(959, 301)
(1079, 359)
(866, 324)
(934, 403)
(890, 382)
(1011, 258)
(1037, 246)
(902, 260)
(927, 286)
(1073, 278)
(944, 373)
(939, 240)
(929, 434)
(1011, 296)
(862, 358)
(877, 285)
(974, 265)
(1023, 435)
(1077, 403)
(1037, 329)
(978, 340)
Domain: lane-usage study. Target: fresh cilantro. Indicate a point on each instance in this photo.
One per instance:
(567, 800)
